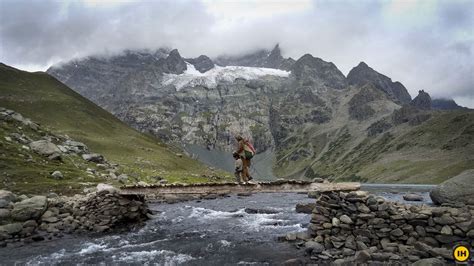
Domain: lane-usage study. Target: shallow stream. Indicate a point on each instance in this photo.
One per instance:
(208, 232)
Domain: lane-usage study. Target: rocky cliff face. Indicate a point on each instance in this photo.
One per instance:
(315, 121)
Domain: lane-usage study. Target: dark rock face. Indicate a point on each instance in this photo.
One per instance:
(422, 101)
(314, 71)
(378, 128)
(255, 59)
(174, 63)
(445, 104)
(202, 63)
(274, 59)
(457, 189)
(359, 108)
(411, 115)
(363, 74)
(260, 58)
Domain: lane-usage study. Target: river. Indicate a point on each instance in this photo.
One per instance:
(208, 232)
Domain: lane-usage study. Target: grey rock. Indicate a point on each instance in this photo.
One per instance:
(444, 219)
(362, 256)
(443, 252)
(457, 189)
(396, 232)
(294, 262)
(11, 229)
(57, 175)
(28, 209)
(94, 157)
(4, 214)
(314, 247)
(429, 262)
(44, 147)
(447, 239)
(412, 197)
(7, 196)
(256, 211)
(470, 234)
(305, 207)
(446, 230)
(290, 236)
(30, 223)
(55, 157)
(75, 147)
(4, 203)
(346, 219)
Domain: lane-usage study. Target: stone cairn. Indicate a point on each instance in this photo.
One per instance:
(358, 228)
(39, 217)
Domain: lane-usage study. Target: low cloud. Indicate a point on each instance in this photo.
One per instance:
(424, 44)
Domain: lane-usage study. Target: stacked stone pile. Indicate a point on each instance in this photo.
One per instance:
(357, 227)
(39, 217)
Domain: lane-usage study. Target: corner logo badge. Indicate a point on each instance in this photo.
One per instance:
(461, 253)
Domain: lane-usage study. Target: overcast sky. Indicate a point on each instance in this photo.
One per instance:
(425, 44)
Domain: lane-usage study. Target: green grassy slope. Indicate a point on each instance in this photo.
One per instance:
(430, 153)
(52, 104)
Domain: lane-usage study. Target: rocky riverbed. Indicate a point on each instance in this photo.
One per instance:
(31, 219)
(223, 231)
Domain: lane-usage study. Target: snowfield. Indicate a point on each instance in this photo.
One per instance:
(191, 77)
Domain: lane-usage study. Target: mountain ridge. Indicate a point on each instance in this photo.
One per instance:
(310, 120)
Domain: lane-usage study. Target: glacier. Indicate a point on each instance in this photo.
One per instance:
(191, 77)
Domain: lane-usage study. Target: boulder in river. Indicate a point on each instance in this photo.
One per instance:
(413, 197)
(457, 189)
(260, 211)
(305, 207)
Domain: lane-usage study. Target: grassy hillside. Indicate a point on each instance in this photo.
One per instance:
(52, 104)
(431, 147)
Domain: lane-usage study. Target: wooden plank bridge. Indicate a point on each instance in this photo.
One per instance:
(175, 192)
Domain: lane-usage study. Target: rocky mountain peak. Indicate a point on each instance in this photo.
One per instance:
(202, 63)
(422, 101)
(362, 74)
(275, 55)
(363, 65)
(313, 70)
(445, 104)
(174, 63)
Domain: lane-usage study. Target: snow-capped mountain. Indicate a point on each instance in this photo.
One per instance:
(211, 78)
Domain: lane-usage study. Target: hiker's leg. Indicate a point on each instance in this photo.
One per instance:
(237, 176)
(245, 172)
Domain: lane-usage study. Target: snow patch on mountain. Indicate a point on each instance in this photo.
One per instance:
(191, 77)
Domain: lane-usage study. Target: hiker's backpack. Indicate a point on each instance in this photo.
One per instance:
(250, 151)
